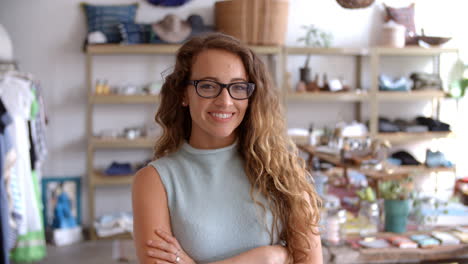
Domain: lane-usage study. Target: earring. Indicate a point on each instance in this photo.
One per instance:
(184, 103)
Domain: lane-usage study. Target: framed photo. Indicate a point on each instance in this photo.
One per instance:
(61, 195)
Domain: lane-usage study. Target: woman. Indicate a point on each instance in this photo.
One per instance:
(226, 185)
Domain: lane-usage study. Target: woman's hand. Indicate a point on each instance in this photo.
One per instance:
(167, 250)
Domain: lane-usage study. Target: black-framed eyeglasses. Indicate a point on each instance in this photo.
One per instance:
(212, 89)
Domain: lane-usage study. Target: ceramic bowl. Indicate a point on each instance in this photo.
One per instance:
(434, 41)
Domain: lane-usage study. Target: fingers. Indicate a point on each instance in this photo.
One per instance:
(163, 262)
(168, 238)
(162, 256)
(163, 245)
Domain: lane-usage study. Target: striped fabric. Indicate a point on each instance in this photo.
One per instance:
(106, 18)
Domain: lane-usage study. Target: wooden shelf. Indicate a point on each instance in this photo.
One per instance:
(101, 179)
(124, 99)
(123, 236)
(402, 172)
(411, 51)
(121, 143)
(410, 95)
(403, 137)
(103, 49)
(329, 96)
(117, 49)
(266, 50)
(326, 51)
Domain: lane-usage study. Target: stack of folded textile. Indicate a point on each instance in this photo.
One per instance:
(113, 224)
(418, 125)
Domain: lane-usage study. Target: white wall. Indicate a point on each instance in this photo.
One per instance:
(48, 37)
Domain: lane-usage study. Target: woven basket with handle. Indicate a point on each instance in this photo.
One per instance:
(255, 22)
(355, 3)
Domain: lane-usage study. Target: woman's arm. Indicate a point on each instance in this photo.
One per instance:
(265, 254)
(151, 212)
(315, 254)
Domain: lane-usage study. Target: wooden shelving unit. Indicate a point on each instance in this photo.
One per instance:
(329, 96)
(402, 137)
(101, 179)
(96, 178)
(376, 55)
(410, 96)
(357, 96)
(124, 99)
(119, 143)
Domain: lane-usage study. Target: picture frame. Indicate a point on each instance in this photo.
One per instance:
(51, 188)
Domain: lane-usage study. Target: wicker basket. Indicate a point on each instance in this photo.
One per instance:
(355, 3)
(255, 22)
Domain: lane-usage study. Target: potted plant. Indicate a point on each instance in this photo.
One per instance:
(396, 195)
(314, 37)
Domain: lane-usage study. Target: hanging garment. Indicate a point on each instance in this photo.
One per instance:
(17, 97)
(7, 161)
(37, 129)
(5, 228)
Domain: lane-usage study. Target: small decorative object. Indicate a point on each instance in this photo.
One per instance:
(403, 16)
(313, 37)
(62, 202)
(301, 87)
(172, 29)
(313, 86)
(353, 4)
(396, 195)
(393, 35)
(335, 85)
(402, 242)
(426, 81)
(96, 37)
(198, 26)
(325, 86)
(153, 88)
(167, 2)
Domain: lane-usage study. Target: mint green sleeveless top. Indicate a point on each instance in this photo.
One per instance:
(212, 214)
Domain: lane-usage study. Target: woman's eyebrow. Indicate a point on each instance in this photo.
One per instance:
(216, 79)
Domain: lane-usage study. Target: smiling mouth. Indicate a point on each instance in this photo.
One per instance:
(222, 115)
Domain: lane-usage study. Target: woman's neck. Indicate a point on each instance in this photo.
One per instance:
(212, 143)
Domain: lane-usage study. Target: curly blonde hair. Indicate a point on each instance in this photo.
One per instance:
(272, 163)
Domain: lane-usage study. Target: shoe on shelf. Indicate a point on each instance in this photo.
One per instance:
(405, 158)
(119, 169)
(436, 159)
(432, 124)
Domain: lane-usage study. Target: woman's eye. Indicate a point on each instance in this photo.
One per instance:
(239, 87)
(207, 86)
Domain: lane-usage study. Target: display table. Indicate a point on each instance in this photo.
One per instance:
(440, 254)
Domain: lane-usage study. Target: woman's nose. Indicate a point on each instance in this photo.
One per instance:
(224, 98)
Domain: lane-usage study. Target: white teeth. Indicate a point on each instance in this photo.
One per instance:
(221, 115)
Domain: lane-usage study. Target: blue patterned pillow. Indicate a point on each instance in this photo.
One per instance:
(106, 18)
(133, 33)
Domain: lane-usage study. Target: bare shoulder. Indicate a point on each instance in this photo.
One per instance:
(147, 179)
(146, 174)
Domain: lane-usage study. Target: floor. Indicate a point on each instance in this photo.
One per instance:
(92, 252)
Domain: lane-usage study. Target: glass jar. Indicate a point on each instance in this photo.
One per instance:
(369, 217)
(334, 232)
